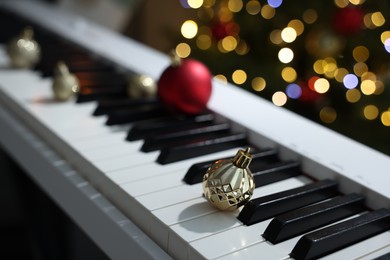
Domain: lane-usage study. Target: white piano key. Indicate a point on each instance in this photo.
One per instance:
(155, 169)
(100, 141)
(261, 250)
(97, 155)
(183, 233)
(155, 184)
(228, 241)
(127, 161)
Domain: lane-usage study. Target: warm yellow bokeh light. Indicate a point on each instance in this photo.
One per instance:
(275, 37)
(384, 36)
(360, 53)
(224, 14)
(221, 78)
(297, 25)
(203, 42)
(242, 48)
(368, 87)
(378, 19)
(321, 85)
(340, 74)
(341, 3)
(289, 74)
(189, 29)
(328, 115)
(286, 55)
(379, 87)
(183, 50)
(258, 84)
(289, 34)
(360, 68)
(279, 98)
(239, 77)
(195, 3)
(253, 7)
(229, 43)
(370, 112)
(385, 118)
(310, 16)
(353, 95)
(235, 5)
(319, 66)
(267, 12)
(356, 2)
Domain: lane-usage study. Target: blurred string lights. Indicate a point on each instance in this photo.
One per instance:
(325, 69)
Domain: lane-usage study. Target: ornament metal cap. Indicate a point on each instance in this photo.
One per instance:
(242, 158)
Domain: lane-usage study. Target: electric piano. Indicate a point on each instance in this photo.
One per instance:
(327, 195)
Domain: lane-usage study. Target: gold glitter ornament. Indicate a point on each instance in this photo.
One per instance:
(228, 184)
(141, 86)
(24, 51)
(65, 84)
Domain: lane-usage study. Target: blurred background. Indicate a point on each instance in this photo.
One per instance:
(326, 60)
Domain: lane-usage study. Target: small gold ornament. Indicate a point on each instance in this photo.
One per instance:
(228, 184)
(24, 51)
(65, 84)
(141, 86)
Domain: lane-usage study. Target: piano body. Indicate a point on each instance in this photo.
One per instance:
(136, 208)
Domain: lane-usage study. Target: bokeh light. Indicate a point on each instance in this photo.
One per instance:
(239, 77)
(189, 29)
(350, 81)
(183, 50)
(279, 98)
(370, 112)
(328, 115)
(258, 84)
(286, 55)
(293, 91)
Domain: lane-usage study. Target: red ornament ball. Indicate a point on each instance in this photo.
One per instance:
(348, 20)
(185, 86)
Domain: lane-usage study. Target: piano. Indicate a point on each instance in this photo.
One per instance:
(149, 205)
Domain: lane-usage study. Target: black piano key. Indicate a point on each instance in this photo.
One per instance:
(139, 113)
(305, 219)
(143, 129)
(88, 94)
(106, 106)
(176, 137)
(259, 159)
(178, 153)
(266, 207)
(330, 239)
(276, 172)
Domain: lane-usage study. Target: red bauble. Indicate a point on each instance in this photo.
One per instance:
(348, 20)
(185, 87)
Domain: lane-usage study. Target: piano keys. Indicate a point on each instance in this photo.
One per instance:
(150, 193)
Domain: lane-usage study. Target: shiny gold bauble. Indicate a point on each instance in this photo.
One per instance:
(65, 84)
(228, 184)
(141, 86)
(24, 51)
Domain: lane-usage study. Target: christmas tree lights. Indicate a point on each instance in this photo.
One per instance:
(329, 61)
